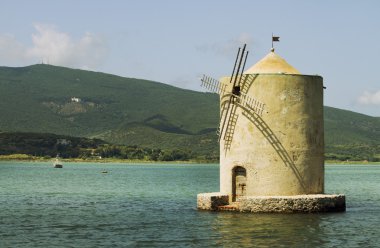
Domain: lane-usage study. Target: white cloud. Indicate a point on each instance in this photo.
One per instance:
(55, 47)
(227, 48)
(368, 98)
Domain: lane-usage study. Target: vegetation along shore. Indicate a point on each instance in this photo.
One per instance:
(87, 115)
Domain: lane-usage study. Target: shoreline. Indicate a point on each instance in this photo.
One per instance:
(29, 158)
(361, 162)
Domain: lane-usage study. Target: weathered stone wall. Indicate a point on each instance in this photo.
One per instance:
(211, 201)
(274, 161)
(293, 204)
(273, 204)
(283, 149)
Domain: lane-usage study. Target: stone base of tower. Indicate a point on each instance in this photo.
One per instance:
(273, 204)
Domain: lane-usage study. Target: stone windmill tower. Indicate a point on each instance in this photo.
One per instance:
(271, 140)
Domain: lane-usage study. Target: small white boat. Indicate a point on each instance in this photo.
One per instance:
(57, 162)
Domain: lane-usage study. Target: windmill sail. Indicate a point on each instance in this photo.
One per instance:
(236, 74)
(228, 121)
(227, 125)
(236, 97)
(213, 85)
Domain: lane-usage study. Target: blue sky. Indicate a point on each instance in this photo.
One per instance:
(175, 42)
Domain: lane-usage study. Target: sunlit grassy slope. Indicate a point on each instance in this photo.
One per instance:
(38, 98)
(130, 111)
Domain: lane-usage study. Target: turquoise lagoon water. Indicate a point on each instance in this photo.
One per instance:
(154, 205)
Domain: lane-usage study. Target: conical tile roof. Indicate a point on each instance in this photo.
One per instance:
(272, 63)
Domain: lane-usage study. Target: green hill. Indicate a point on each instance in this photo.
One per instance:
(128, 111)
(47, 145)
(350, 135)
(51, 99)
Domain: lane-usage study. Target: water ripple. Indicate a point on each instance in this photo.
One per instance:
(154, 206)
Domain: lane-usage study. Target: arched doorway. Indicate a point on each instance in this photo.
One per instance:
(239, 182)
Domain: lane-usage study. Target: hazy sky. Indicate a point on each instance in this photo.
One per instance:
(175, 42)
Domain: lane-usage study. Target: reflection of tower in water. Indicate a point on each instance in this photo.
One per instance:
(271, 140)
(268, 230)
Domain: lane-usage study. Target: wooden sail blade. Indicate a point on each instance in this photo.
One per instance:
(228, 118)
(213, 85)
(224, 115)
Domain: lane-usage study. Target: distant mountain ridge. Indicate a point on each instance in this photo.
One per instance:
(351, 136)
(52, 99)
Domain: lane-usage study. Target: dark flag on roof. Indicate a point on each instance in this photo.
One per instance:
(275, 38)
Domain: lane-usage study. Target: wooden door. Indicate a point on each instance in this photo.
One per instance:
(239, 182)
